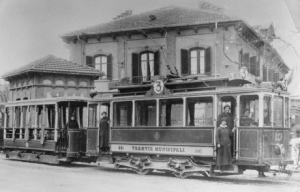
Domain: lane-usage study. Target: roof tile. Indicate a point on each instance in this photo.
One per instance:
(165, 17)
(53, 64)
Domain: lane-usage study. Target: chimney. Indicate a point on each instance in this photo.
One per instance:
(206, 6)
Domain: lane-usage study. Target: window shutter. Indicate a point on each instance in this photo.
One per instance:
(135, 68)
(109, 67)
(265, 74)
(208, 60)
(253, 65)
(258, 67)
(185, 62)
(246, 62)
(89, 61)
(271, 75)
(135, 64)
(156, 63)
(241, 57)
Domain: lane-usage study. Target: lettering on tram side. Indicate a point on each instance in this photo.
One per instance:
(198, 150)
(158, 149)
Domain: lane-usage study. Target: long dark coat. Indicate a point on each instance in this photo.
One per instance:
(224, 152)
(72, 124)
(104, 132)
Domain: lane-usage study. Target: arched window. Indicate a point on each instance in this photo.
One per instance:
(196, 61)
(71, 83)
(144, 65)
(83, 83)
(59, 82)
(47, 82)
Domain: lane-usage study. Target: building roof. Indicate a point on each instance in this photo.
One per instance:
(165, 17)
(52, 64)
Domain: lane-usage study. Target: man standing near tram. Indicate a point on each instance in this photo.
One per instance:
(229, 120)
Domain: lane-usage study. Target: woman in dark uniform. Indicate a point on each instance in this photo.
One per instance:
(104, 132)
(72, 124)
(223, 144)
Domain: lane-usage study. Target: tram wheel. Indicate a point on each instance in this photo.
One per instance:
(182, 175)
(143, 171)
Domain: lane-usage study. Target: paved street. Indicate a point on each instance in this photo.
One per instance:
(25, 176)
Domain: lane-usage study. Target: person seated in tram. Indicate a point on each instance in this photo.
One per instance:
(246, 120)
(267, 121)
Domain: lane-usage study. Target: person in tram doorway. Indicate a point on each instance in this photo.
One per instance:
(229, 122)
(72, 124)
(104, 132)
(223, 145)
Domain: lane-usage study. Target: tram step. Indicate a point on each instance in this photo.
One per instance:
(105, 158)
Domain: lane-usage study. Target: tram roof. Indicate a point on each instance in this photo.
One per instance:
(45, 101)
(216, 91)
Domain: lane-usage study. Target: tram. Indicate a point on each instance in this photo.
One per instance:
(34, 130)
(166, 125)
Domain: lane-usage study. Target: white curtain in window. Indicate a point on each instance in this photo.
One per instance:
(194, 62)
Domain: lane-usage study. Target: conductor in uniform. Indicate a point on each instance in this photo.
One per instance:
(104, 132)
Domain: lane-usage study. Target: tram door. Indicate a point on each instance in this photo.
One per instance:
(104, 131)
(224, 100)
(94, 139)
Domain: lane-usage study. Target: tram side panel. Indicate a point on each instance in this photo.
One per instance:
(260, 147)
(185, 141)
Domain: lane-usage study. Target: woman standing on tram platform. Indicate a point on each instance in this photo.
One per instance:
(223, 145)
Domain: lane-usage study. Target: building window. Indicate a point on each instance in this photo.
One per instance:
(252, 63)
(102, 63)
(72, 83)
(144, 66)
(47, 82)
(196, 61)
(59, 82)
(83, 83)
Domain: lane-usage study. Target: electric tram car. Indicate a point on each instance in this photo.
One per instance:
(168, 125)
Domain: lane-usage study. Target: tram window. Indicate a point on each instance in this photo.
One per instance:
(40, 116)
(145, 113)
(32, 117)
(171, 112)
(123, 114)
(287, 114)
(84, 114)
(278, 111)
(50, 116)
(249, 108)
(199, 111)
(267, 111)
(24, 116)
(62, 114)
(9, 112)
(92, 115)
(17, 117)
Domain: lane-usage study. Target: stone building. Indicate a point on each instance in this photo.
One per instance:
(50, 77)
(193, 42)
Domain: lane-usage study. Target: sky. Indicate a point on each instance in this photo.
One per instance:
(31, 29)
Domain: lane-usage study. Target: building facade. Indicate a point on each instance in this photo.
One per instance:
(50, 77)
(174, 40)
